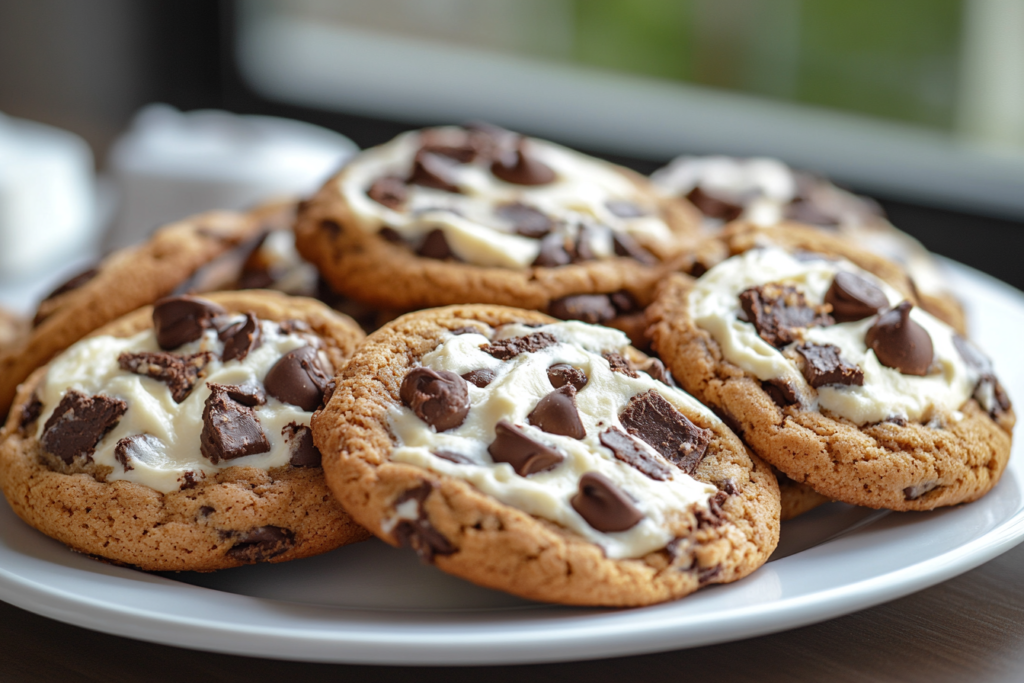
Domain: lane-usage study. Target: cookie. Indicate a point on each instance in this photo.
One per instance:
(177, 437)
(834, 376)
(12, 328)
(542, 458)
(797, 498)
(482, 215)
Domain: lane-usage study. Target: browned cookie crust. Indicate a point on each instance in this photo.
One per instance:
(472, 535)
(241, 516)
(906, 466)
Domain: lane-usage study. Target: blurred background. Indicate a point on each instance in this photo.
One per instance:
(918, 103)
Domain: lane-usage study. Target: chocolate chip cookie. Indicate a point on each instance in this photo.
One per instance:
(178, 437)
(835, 376)
(542, 458)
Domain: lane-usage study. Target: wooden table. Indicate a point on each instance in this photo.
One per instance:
(970, 628)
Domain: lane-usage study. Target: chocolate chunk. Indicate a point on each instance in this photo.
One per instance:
(915, 492)
(628, 451)
(626, 245)
(230, 429)
(439, 398)
(182, 319)
(435, 246)
(823, 366)
(419, 534)
(389, 234)
(179, 373)
(562, 374)
(713, 515)
(589, 308)
(73, 283)
(524, 454)
(467, 329)
(298, 379)
(781, 391)
(620, 363)
(901, 343)
(729, 419)
(240, 338)
(189, 480)
(716, 205)
(556, 413)
(451, 456)
(897, 420)
(656, 369)
(480, 377)
(247, 394)
(261, 544)
(582, 251)
(624, 302)
(206, 511)
(304, 452)
(433, 171)
(389, 191)
(652, 419)
(624, 209)
(603, 505)
(778, 311)
(123, 451)
(78, 423)
(142, 447)
(506, 349)
(988, 392)
(519, 168)
(293, 326)
(553, 252)
(528, 221)
(30, 412)
(854, 298)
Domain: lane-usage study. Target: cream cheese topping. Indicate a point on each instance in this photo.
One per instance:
(91, 366)
(519, 384)
(577, 197)
(714, 306)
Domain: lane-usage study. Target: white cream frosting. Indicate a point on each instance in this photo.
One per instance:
(91, 366)
(714, 306)
(519, 384)
(577, 196)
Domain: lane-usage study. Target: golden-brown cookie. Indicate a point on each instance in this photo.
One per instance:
(179, 449)
(542, 458)
(797, 498)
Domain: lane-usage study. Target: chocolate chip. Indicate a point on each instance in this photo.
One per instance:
(304, 452)
(451, 456)
(433, 171)
(528, 221)
(706, 575)
(915, 492)
(506, 349)
(466, 330)
(589, 308)
(716, 205)
(439, 398)
(30, 412)
(292, 326)
(628, 451)
(179, 373)
(619, 363)
(624, 209)
(420, 534)
(652, 419)
(897, 420)
(240, 338)
(988, 392)
(729, 419)
(603, 505)
(298, 379)
(78, 423)
(823, 366)
(556, 413)
(656, 369)
(624, 302)
(778, 311)
(230, 429)
(553, 252)
(389, 191)
(182, 319)
(73, 283)
(781, 391)
(480, 377)
(206, 511)
(126, 449)
(389, 234)
(435, 246)
(713, 515)
(854, 298)
(901, 343)
(524, 454)
(626, 245)
(261, 544)
(582, 250)
(189, 480)
(247, 394)
(519, 168)
(562, 374)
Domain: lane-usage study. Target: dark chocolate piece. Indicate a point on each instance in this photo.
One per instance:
(901, 343)
(141, 447)
(853, 298)
(261, 544)
(553, 252)
(656, 369)
(603, 505)
(438, 397)
(620, 363)
(524, 454)
(433, 171)
(778, 311)
(240, 338)
(230, 429)
(454, 457)
(520, 168)
(435, 246)
(628, 451)
(247, 394)
(420, 534)
(589, 308)
(179, 373)
(72, 283)
(298, 379)
(304, 452)
(781, 391)
(389, 191)
(626, 245)
(189, 480)
(528, 221)
(652, 419)
(823, 366)
(30, 412)
(78, 423)
(467, 329)
(716, 204)
(988, 392)
(507, 349)
(561, 374)
(556, 413)
(480, 377)
(182, 319)
(624, 302)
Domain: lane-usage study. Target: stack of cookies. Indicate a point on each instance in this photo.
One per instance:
(578, 385)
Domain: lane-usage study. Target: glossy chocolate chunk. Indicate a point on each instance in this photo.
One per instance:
(562, 374)
(261, 544)
(433, 171)
(506, 349)
(620, 363)
(716, 205)
(781, 391)
(656, 422)
(656, 369)
(553, 252)
(390, 192)
(78, 423)
(240, 338)
(823, 366)
(454, 457)
(247, 394)
(582, 250)
(519, 167)
(419, 534)
(72, 283)
(556, 413)
(624, 302)
(988, 392)
(629, 451)
(854, 298)
(524, 454)
(624, 209)
(778, 311)
(297, 379)
(588, 308)
(901, 343)
(435, 246)
(603, 505)
(30, 412)
(179, 373)
(141, 447)
(528, 221)
(438, 397)
(230, 429)
(182, 319)
(304, 452)
(480, 377)
(626, 245)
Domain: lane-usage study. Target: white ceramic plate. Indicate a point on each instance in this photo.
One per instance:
(370, 603)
